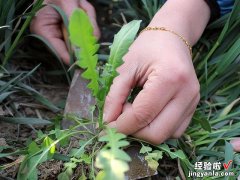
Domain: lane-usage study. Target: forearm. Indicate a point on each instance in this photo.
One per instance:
(187, 17)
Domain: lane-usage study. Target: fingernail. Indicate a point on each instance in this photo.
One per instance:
(112, 124)
(236, 144)
(102, 133)
(105, 117)
(97, 125)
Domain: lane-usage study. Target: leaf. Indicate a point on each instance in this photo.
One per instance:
(18, 152)
(145, 149)
(100, 175)
(122, 41)
(229, 57)
(152, 163)
(173, 155)
(33, 148)
(63, 176)
(156, 154)
(77, 152)
(86, 158)
(202, 120)
(112, 159)
(42, 157)
(151, 157)
(82, 177)
(227, 109)
(37, 5)
(115, 141)
(54, 52)
(47, 142)
(113, 168)
(229, 155)
(23, 120)
(81, 35)
(4, 95)
(36, 95)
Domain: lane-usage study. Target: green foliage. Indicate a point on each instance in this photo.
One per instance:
(6, 24)
(38, 154)
(152, 156)
(112, 159)
(68, 169)
(121, 43)
(11, 83)
(81, 35)
(172, 154)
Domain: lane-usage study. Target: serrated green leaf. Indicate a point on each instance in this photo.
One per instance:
(145, 149)
(153, 164)
(114, 139)
(156, 154)
(100, 175)
(113, 168)
(121, 43)
(86, 158)
(112, 159)
(81, 35)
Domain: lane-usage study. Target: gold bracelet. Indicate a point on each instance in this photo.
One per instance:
(171, 31)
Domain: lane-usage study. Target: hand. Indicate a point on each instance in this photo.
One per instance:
(48, 23)
(160, 63)
(236, 144)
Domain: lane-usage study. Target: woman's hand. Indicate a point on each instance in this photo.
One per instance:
(160, 62)
(48, 23)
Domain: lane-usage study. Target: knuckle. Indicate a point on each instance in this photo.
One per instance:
(195, 89)
(182, 75)
(179, 75)
(90, 8)
(108, 99)
(142, 116)
(157, 139)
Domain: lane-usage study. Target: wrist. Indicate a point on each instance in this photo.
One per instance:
(188, 18)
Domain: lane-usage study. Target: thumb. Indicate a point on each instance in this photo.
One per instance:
(119, 91)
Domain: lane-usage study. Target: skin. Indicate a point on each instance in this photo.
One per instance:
(157, 61)
(160, 63)
(48, 23)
